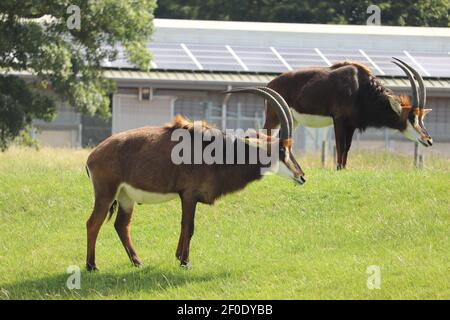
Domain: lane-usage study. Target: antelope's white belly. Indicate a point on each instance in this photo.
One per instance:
(310, 120)
(141, 196)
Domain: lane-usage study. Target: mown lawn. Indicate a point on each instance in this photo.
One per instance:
(273, 240)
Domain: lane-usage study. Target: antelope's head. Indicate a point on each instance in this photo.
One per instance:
(412, 113)
(287, 165)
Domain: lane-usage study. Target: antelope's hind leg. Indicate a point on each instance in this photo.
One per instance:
(188, 205)
(102, 205)
(123, 227)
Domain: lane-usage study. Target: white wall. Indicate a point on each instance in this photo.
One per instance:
(58, 138)
(63, 131)
(129, 112)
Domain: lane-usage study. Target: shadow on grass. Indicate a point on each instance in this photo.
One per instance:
(147, 282)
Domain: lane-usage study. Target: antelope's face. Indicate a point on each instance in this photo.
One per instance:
(415, 129)
(285, 165)
(289, 167)
(412, 121)
(412, 114)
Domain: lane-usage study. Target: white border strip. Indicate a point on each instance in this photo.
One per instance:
(323, 57)
(235, 56)
(372, 62)
(284, 62)
(189, 53)
(416, 63)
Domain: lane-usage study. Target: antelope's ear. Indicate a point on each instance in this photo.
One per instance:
(395, 104)
(426, 111)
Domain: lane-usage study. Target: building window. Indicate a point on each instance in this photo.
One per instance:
(242, 111)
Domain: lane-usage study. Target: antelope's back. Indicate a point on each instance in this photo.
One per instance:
(141, 156)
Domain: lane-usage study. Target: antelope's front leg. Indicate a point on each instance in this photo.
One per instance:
(339, 134)
(188, 205)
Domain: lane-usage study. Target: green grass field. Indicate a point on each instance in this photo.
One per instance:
(272, 240)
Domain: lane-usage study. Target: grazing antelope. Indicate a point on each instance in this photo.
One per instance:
(136, 166)
(350, 97)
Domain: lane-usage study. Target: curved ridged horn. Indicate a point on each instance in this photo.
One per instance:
(422, 91)
(283, 104)
(415, 92)
(285, 133)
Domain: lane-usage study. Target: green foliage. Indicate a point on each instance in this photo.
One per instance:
(26, 139)
(68, 60)
(272, 240)
(430, 13)
(19, 105)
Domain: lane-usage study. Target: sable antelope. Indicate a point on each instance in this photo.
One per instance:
(349, 96)
(136, 167)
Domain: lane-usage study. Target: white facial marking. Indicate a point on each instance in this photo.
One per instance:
(141, 196)
(411, 133)
(284, 171)
(310, 120)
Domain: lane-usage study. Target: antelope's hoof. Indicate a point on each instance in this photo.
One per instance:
(185, 265)
(91, 268)
(137, 263)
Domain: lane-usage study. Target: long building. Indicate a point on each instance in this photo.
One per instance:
(195, 61)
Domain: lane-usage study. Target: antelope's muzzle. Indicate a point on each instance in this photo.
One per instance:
(299, 180)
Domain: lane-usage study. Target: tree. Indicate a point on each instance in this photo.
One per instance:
(64, 43)
(426, 13)
(19, 106)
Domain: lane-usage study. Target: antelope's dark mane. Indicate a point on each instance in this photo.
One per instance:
(372, 96)
(374, 87)
(358, 65)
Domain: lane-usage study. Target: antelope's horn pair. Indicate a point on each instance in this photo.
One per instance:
(419, 94)
(277, 101)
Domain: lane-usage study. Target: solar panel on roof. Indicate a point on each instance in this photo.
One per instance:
(171, 56)
(214, 57)
(301, 58)
(356, 55)
(120, 62)
(437, 64)
(384, 60)
(259, 59)
(217, 57)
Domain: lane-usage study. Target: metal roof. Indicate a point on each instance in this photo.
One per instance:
(198, 56)
(229, 78)
(261, 47)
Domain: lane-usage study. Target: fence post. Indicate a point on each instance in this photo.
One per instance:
(324, 153)
(386, 139)
(421, 160)
(416, 154)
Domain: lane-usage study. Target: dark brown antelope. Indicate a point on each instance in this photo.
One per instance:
(348, 96)
(137, 166)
